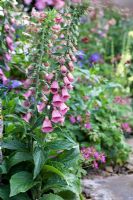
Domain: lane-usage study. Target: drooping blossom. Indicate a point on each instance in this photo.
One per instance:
(57, 101)
(40, 107)
(63, 109)
(27, 117)
(56, 116)
(47, 126)
(65, 94)
(54, 87)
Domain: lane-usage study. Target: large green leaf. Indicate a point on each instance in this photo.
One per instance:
(13, 145)
(4, 194)
(51, 197)
(61, 145)
(54, 170)
(39, 159)
(21, 182)
(19, 157)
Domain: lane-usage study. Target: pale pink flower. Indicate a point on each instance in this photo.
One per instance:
(7, 27)
(49, 77)
(63, 69)
(28, 94)
(70, 77)
(56, 28)
(9, 41)
(66, 81)
(63, 109)
(47, 126)
(65, 95)
(40, 107)
(27, 117)
(27, 83)
(54, 87)
(7, 57)
(57, 100)
(58, 19)
(56, 116)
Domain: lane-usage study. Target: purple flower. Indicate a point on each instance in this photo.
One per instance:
(72, 119)
(95, 58)
(14, 84)
(80, 55)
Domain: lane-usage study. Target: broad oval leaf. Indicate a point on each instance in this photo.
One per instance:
(19, 157)
(21, 182)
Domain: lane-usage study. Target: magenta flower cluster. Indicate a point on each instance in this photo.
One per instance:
(82, 121)
(92, 155)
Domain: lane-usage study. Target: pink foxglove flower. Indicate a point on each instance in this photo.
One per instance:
(67, 82)
(54, 87)
(62, 120)
(9, 41)
(58, 19)
(56, 28)
(65, 95)
(57, 100)
(56, 116)
(47, 126)
(40, 107)
(28, 94)
(7, 27)
(62, 61)
(70, 77)
(27, 117)
(8, 57)
(63, 69)
(63, 109)
(3, 77)
(27, 83)
(49, 77)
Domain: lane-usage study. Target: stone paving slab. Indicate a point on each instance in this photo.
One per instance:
(111, 188)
